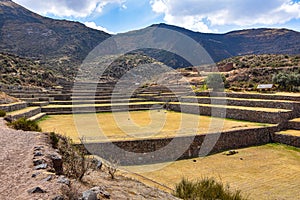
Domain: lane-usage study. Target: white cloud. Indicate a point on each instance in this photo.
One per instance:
(95, 26)
(67, 8)
(203, 15)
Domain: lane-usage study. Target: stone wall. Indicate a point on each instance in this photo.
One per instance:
(286, 139)
(169, 149)
(235, 113)
(13, 106)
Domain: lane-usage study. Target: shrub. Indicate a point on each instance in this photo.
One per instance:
(112, 167)
(205, 189)
(76, 164)
(216, 81)
(2, 113)
(25, 125)
(54, 139)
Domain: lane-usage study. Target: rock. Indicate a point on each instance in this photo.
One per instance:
(58, 198)
(38, 148)
(101, 191)
(37, 154)
(48, 178)
(38, 162)
(231, 152)
(89, 195)
(35, 174)
(63, 180)
(36, 190)
(98, 163)
(41, 166)
(57, 163)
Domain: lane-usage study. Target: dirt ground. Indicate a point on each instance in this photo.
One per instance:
(16, 170)
(266, 172)
(137, 125)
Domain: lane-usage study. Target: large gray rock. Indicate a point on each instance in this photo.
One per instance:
(89, 195)
(57, 163)
(63, 180)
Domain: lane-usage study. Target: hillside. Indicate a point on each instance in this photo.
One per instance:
(60, 43)
(16, 70)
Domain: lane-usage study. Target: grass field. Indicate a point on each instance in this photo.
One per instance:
(266, 172)
(137, 125)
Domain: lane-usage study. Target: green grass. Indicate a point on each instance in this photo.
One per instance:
(2, 113)
(25, 125)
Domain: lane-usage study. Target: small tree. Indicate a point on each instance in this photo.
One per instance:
(216, 81)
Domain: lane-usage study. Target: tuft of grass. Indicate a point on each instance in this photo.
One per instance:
(2, 113)
(25, 125)
(205, 189)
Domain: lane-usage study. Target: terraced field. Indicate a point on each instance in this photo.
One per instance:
(265, 172)
(139, 125)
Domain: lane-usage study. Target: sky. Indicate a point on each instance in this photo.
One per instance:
(209, 16)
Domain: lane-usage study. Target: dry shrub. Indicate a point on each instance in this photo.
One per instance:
(75, 162)
(205, 189)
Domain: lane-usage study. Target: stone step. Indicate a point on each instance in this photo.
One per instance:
(251, 96)
(26, 112)
(13, 106)
(29, 100)
(39, 103)
(29, 95)
(278, 104)
(86, 108)
(78, 102)
(288, 137)
(294, 124)
(37, 117)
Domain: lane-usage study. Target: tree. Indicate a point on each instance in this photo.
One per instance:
(287, 81)
(216, 81)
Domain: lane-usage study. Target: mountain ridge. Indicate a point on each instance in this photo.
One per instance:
(62, 45)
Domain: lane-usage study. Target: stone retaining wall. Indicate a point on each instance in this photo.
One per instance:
(286, 139)
(25, 114)
(13, 107)
(168, 149)
(235, 113)
(89, 109)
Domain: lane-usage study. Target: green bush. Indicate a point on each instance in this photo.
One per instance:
(2, 113)
(205, 189)
(54, 139)
(25, 125)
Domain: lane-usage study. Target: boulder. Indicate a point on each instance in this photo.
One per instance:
(36, 190)
(89, 195)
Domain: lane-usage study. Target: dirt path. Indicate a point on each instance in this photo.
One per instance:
(16, 165)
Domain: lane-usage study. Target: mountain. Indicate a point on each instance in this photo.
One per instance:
(244, 42)
(60, 43)
(61, 46)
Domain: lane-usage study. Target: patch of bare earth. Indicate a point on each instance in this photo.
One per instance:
(5, 99)
(18, 174)
(16, 166)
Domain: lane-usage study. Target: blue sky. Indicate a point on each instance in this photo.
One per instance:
(214, 16)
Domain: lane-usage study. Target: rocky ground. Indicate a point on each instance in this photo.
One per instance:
(29, 167)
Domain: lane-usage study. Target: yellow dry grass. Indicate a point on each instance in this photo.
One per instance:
(291, 132)
(137, 125)
(264, 172)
